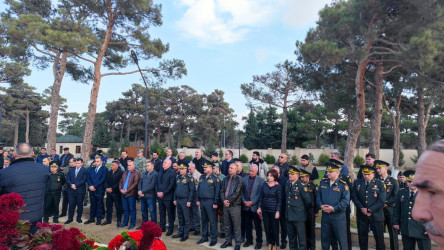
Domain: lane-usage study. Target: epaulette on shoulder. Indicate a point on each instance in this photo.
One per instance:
(343, 181)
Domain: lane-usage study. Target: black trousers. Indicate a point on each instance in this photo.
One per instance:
(208, 215)
(409, 243)
(283, 223)
(271, 225)
(183, 213)
(166, 207)
(115, 199)
(392, 232)
(51, 205)
(250, 218)
(296, 230)
(310, 229)
(377, 228)
(65, 202)
(75, 200)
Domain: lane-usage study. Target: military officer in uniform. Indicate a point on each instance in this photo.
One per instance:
(53, 193)
(401, 180)
(391, 185)
(183, 196)
(312, 209)
(412, 231)
(333, 198)
(208, 199)
(369, 196)
(297, 199)
(140, 162)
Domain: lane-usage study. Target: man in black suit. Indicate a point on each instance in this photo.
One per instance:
(76, 180)
(157, 162)
(96, 185)
(166, 181)
(113, 194)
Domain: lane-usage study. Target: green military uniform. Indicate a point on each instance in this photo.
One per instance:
(392, 189)
(412, 231)
(311, 209)
(297, 200)
(184, 192)
(52, 195)
(208, 193)
(140, 163)
(370, 196)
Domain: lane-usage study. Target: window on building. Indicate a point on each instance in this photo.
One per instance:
(61, 150)
(77, 149)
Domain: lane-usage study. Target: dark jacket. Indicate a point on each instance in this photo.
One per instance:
(157, 164)
(185, 160)
(337, 195)
(255, 193)
(402, 216)
(133, 181)
(79, 181)
(185, 188)
(312, 189)
(372, 197)
(297, 200)
(97, 180)
(271, 197)
(124, 163)
(311, 169)
(29, 179)
(148, 185)
(392, 189)
(165, 183)
(55, 158)
(40, 157)
(113, 179)
(199, 164)
(283, 168)
(55, 182)
(208, 188)
(64, 160)
(235, 192)
(225, 165)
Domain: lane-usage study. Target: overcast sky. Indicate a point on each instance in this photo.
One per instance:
(223, 43)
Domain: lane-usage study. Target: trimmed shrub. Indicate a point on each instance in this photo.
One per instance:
(243, 158)
(323, 159)
(269, 159)
(294, 160)
(358, 161)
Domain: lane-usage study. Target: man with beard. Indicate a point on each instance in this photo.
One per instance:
(412, 231)
(307, 166)
(157, 162)
(429, 202)
(262, 165)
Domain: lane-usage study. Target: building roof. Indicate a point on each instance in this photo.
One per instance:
(69, 139)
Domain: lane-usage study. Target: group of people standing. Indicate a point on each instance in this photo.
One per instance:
(283, 200)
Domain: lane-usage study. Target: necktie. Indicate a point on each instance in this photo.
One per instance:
(366, 184)
(411, 195)
(97, 169)
(125, 187)
(77, 171)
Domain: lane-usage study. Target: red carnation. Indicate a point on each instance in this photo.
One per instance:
(11, 202)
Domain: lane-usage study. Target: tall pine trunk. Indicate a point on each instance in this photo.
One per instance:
(16, 130)
(179, 136)
(92, 107)
(58, 70)
(356, 123)
(423, 119)
(27, 125)
(375, 127)
(396, 120)
(284, 127)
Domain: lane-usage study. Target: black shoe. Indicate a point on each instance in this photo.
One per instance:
(237, 247)
(138, 228)
(164, 230)
(192, 230)
(55, 220)
(226, 244)
(283, 246)
(258, 246)
(247, 244)
(178, 235)
(121, 225)
(184, 238)
(68, 221)
(222, 235)
(202, 240)
(106, 223)
(88, 222)
(213, 243)
(79, 221)
(62, 215)
(98, 223)
(169, 233)
(131, 227)
(196, 232)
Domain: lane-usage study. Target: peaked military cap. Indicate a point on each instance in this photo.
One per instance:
(208, 164)
(304, 172)
(53, 163)
(339, 163)
(331, 167)
(293, 170)
(409, 175)
(379, 164)
(366, 169)
(183, 165)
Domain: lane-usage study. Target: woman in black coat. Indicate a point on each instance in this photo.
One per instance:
(270, 207)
